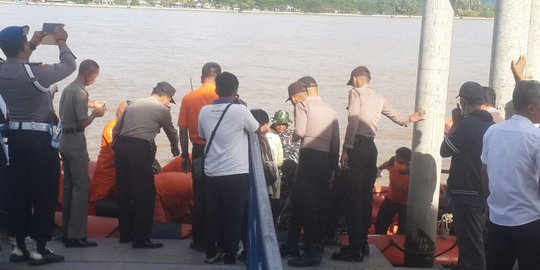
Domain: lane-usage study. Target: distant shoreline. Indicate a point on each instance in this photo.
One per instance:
(232, 11)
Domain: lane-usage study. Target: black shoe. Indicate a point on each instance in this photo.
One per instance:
(365, 250)
(289, 250)
(197, 246)
(147, 244)
(18, 255)
(306, 260)
(347, 256)
(332, 241)
(216, 259)
(72, 243)
(43, 257)
(125, 240)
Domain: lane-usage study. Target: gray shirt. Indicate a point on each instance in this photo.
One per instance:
(24, 101)
(365, 109)
(317, 124)
(73, 105)
(144, 118)
(229, 152)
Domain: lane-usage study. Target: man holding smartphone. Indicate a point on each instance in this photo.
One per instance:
(34, 163)
(464, 144)
(74, 105)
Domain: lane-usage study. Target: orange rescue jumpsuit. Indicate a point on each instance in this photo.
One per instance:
(105, 173)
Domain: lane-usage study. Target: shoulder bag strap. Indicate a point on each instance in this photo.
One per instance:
(214, 131)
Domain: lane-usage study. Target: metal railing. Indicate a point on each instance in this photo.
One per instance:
(263, 249)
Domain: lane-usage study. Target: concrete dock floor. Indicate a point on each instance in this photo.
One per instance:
(111, 255)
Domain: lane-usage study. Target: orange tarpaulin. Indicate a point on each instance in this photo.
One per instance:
(174, 197)
(174, 165)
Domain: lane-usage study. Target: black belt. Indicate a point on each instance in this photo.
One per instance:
(72, 130)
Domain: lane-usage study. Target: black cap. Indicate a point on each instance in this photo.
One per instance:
(308, 81)
(295, 88)
(167, 88)
(13, 34)
(359, 71)
(472, 92)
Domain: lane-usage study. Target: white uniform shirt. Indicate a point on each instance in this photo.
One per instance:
(511, 152)
(228, 154)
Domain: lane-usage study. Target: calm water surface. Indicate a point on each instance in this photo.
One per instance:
(137, 48)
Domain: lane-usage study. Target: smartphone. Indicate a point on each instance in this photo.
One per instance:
(48, 28)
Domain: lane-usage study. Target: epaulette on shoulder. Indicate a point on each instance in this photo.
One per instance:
(36, 63)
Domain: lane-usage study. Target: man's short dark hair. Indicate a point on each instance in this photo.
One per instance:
(525, 94)
(490, 96)
(226, 84)
(261, 116)
(210, 69)
(404, 153)
(88, 66)
(13, 47)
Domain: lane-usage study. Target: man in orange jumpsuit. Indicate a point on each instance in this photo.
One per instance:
(397, 196)
(105, 175)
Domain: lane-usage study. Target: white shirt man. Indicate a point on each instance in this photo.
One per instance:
(511, 158)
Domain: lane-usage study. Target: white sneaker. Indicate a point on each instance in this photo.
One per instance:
(18, 255)
(35, 256)
(47, 256)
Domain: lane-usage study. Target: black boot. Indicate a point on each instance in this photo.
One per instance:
(345, 254)
(308, 258)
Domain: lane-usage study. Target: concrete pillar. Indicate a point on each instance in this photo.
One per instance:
(533, 47)
(510, 32)
(431, 93)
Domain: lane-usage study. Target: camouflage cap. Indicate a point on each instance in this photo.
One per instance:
(281, 117)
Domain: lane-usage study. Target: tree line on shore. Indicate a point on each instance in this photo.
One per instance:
(466, 8)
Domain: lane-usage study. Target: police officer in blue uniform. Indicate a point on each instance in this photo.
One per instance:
(34, 161)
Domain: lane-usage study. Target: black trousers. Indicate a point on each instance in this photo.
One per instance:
(469, 223)
(4, 170)
(135, 188)
(337, 205)
(310, 197)
(386, 215)
(225, 201)
(517, 242)
(199, 199)
(358, 183)
(33, 184)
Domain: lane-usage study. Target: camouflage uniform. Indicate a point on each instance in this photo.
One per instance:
(290, 149)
